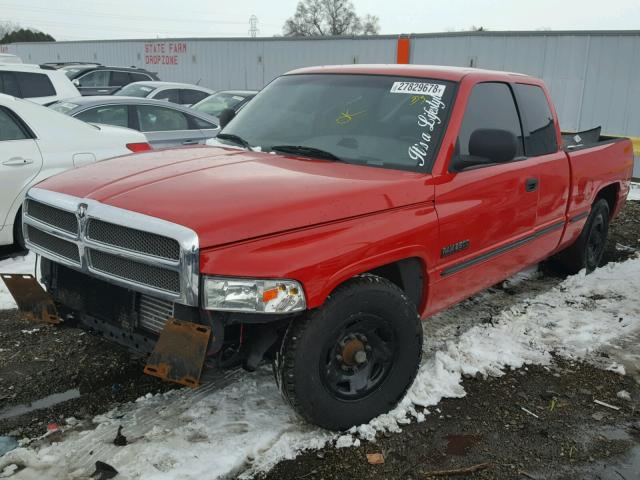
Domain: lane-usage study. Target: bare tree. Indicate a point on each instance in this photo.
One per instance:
(7, 27)
(329, 17)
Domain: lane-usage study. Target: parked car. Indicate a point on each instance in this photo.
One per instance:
(9, 58)
(180, 93)
(165, 124)
(36, 142)
(366, 198)
(40, 85)
(103, 80)
(228, 99)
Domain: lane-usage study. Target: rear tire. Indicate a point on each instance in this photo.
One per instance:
(352, 359)
(588, 250)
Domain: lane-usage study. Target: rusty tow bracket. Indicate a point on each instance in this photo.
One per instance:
(33, 301)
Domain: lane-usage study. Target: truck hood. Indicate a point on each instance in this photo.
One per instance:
(227, 195)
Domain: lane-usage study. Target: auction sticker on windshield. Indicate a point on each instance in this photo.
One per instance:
(418, 88)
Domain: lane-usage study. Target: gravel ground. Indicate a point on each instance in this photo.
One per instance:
(574, 440)
(570, 437)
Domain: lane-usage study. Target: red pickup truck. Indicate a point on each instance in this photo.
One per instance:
(341, 206)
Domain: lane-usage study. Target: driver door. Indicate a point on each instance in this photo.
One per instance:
(486, 214)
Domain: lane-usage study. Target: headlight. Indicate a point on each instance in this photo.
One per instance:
(253, 295)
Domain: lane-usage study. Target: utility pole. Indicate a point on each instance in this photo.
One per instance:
(253, 26)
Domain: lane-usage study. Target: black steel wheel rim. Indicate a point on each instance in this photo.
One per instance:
(357, 360)
(596, 242)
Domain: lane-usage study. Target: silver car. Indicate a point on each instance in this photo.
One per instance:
(164, 124)
(180, 93)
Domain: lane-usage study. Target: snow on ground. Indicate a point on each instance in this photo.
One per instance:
(238, 424)
(14, 265)
(634, 193)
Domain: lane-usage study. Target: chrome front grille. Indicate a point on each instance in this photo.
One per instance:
(54, 245)
(54, 217)
(139, 252)
(154, 312)
(138, 272)
(132, 239)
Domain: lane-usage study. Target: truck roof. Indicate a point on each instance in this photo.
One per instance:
(427, 71)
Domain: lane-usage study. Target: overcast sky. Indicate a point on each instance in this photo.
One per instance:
(87, 19)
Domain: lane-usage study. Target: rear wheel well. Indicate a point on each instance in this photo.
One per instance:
(610, 194)
(408, 274)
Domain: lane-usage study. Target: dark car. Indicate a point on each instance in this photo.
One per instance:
(103, 80)
(214, 104)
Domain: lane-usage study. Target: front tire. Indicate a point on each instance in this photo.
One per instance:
(352, 359)
(588, 250)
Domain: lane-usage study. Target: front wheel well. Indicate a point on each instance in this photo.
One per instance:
(408, 274)
(610, 194)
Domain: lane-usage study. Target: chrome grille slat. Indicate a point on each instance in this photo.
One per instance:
(157, 277)
(142, 253)
(132, 239)
(54, 245)
(52, 216)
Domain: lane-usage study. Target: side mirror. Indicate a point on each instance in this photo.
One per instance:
(226, 116)
(499, 146)
(76, 82)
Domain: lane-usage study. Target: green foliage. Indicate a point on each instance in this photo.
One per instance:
(26, 35)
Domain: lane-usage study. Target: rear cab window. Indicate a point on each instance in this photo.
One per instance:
(540, 130)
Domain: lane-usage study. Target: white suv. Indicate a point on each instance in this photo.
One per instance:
(31, 82)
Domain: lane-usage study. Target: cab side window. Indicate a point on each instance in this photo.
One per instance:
(490, 106)
(540, 129)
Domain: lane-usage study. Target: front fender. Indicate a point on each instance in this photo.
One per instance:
(323, 257)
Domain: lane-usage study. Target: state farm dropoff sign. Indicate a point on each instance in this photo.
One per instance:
(164, 53)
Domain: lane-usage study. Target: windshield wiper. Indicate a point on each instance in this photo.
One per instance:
(306, 152)
(237, 139)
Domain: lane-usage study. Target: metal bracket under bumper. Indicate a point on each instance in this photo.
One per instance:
(179, 353)
(33, 301)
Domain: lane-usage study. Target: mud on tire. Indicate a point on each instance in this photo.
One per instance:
(352, 359)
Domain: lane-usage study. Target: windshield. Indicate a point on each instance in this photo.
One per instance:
(384, 121)
(133, 90)
(63, 107)
(216, 103)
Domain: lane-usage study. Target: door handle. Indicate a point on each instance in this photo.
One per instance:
(190, 142)
(17, 161)
(531, 184)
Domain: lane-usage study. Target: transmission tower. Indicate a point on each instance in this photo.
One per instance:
(253, 26)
